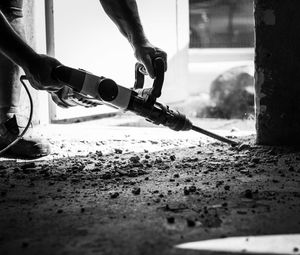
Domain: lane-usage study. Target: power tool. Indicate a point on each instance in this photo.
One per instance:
(89, 88)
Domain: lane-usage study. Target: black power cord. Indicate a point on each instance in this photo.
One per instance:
(22, 79)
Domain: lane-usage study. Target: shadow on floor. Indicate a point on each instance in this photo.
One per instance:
(147, 202)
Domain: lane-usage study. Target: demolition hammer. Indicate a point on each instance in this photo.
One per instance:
(139, 100)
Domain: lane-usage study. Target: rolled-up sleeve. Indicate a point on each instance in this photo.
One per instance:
(12, 7)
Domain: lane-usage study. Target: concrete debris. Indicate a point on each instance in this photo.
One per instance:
(118, 151)
(244, 146)
(136, 190)
(163, 196)
(173, 157)
(135, 159)
(171, 220)
(114, 195)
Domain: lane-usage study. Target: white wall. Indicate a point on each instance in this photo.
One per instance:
(86, 38)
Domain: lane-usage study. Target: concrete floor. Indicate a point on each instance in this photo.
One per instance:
(118, 190)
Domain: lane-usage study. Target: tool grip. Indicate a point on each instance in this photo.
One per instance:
(159, 69)
(155, 91)
(71, 77)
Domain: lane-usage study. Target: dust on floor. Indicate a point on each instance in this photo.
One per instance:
(146, 201)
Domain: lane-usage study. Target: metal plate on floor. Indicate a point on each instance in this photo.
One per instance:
(268, 244)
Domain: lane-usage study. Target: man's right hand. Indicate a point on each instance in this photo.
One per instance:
(38, 68)
(146, 54)
(39, 73)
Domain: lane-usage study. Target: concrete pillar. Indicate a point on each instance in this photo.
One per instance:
(29, 15)
(277, 66)
(34, 21)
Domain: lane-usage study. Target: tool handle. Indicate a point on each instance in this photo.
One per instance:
(159, 69)
(155, 92)
(139, 76)
(73, 78)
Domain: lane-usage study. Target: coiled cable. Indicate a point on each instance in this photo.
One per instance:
(22, 79)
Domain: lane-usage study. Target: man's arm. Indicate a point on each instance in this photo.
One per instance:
(124, 13)
(13, 46)
(38, 68)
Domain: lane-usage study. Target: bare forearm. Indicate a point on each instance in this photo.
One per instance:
(13, 46)
(125, 15)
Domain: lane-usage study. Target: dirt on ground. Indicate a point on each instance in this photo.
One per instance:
(146, 203)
